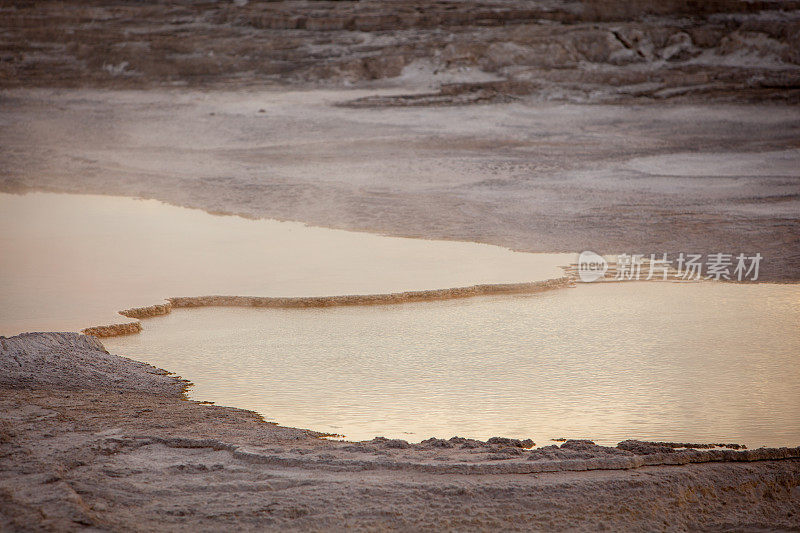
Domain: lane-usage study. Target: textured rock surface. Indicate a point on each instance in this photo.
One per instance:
(82, 451)
(74, 361)
(592, 50)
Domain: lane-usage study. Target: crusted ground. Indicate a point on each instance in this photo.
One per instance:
(462, 52)
(531, 176)
(86, 451)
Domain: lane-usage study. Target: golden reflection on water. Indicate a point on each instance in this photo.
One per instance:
(707, 362)
(699, 362)
(72, 261)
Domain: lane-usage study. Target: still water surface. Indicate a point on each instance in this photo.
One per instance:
(698, 362)
(68, 262)
(706, 362)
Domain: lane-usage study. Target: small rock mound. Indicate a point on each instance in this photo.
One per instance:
(74, 361)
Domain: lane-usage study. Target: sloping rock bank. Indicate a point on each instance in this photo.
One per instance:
(74, 362)
(92, 440)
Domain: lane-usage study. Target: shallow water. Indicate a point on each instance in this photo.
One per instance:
(68, 262)
(697, 362)
(707, 362)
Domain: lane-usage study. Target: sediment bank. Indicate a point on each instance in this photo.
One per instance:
(90, 447)
(112, 330)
